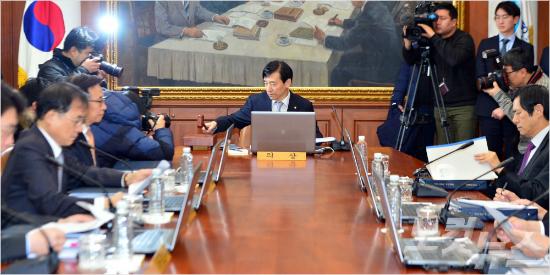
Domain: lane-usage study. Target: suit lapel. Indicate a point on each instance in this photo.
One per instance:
(265, 104)
(529, 166)
(181, 9)
(292, 101)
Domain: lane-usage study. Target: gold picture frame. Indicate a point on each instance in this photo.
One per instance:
(241, 93)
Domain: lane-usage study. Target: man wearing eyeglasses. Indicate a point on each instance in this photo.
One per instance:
(495, 126)
(519, 70)
(96, 110)
(32, 183)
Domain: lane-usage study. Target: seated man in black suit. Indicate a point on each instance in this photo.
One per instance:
(34, 184)
(529, 178)
(96, 109)
(277, 77)
(495, 125)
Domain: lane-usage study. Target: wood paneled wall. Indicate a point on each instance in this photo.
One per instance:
(12, 15)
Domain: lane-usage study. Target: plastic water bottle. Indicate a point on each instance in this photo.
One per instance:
(377, 168)
(362, 145)
(123, 233)
(186, 164)
(394, 196)
(156, 194)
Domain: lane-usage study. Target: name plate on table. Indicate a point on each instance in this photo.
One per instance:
(478, 185)
(281, 155)
(280, 164)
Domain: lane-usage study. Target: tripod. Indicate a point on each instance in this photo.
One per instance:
(424, 66)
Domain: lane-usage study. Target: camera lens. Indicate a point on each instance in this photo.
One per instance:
(111, 69)
(485, 82)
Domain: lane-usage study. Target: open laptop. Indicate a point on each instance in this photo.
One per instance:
(216, 175)
(283, 132)
(427, 252)
(198, 198)
(362, 180)
(148, 241)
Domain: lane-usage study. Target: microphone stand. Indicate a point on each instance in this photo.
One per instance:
(105, 153)
(341, 145)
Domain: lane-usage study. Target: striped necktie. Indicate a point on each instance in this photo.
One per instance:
(503, 49)
(60, 172)
(91, 141)
(186, 8)
(279, 105)
(530, 148)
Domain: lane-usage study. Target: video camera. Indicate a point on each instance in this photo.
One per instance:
(109, 68)
(423, 14)
(147, 97)
(498, 76)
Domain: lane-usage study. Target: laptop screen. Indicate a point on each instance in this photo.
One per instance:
(209, 172)
(226, 146)
(283, 131)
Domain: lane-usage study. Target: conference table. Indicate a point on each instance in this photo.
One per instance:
(292, 217)
(243, 61)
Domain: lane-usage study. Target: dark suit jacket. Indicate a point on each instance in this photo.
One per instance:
(545, 222)
(80, 152)
(29, 181)
(485, 103)
(262, 102)
(533, 180)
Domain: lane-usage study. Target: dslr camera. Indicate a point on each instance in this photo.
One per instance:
(423, 14)
(498, 76)
(109, 68)
(147, 97)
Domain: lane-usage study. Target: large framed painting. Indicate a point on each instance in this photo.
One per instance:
(355, 56)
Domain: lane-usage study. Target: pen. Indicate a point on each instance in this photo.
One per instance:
(335, 17)
(503, 188)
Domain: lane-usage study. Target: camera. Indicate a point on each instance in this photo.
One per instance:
(499, 76)
(146, 126)
(109, 68)
(147, 96)
(423, 14)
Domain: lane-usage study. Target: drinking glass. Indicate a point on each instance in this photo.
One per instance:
(91, 253)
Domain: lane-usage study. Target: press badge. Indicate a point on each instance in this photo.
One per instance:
(443, 88)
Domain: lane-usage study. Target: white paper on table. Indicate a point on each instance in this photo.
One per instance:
(305, 42)
(499, 205)
(245, 23)
(327, 3)
(250, 8)
(277, 4)
(460, 165)
(342, 5)
(212, 35)
(137, 187)
(313, 21)
(326, 139)
(102, 216)
(237, 14)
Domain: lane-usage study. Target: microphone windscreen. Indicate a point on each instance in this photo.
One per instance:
(407, 19)
(466, 145)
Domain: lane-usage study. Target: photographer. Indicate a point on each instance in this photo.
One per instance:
(73, 59)
(453, 51)
(120, 132)
(519, 71)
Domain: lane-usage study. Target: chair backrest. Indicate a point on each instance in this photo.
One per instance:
(244, 137)
(5, 156)
(143, 19)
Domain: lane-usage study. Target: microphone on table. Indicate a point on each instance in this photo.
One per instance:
(421, 189)
(446, 213)
(105, 153)
(501, 265)
(86, 178)
(341, 145)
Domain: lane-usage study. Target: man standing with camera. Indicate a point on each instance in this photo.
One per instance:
(495, 126)
(74, 58)
(453, 51)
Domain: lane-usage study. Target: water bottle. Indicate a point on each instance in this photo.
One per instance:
(156, 194)
(186, 164)
(362, 145)
(394, 196)
(377, 168)
(123, 233)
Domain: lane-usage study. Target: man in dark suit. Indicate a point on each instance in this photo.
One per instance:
(34, 184)
(375, 31)
(277, 98)
(529, 178)
(96, 110)
(495, 126)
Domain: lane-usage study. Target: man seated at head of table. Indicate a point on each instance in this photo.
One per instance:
(277, 77)
(528, 178)
(31, 183)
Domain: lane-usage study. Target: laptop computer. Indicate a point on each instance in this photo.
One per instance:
(198, 198)
(148, 241)
(283, 132)
(216, 175)
(359, 176)
(429, 253)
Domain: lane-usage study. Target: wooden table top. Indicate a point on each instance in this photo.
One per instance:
(267, 217)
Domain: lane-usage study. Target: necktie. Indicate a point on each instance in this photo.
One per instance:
(279, 105)
(91, 141)
(530, 147)
(59, 172)
(503, 49)
(186, 8)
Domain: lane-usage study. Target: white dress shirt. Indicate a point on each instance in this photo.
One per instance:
(284, 107)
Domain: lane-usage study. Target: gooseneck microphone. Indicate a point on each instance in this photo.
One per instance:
(446, 214)
(341, 145)
(105, 153)
(86, 178)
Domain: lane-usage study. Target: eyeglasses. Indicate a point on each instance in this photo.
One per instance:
(504, 17)
(78, 122)
(508, 73)
(101, 101)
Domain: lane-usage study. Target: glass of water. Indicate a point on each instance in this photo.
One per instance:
(135, 204)
(169, 180)
(91, 253)
(406, 189)
(426, 221)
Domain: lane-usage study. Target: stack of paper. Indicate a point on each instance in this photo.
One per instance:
(211, 35)
(305, 42)
(313, 21)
